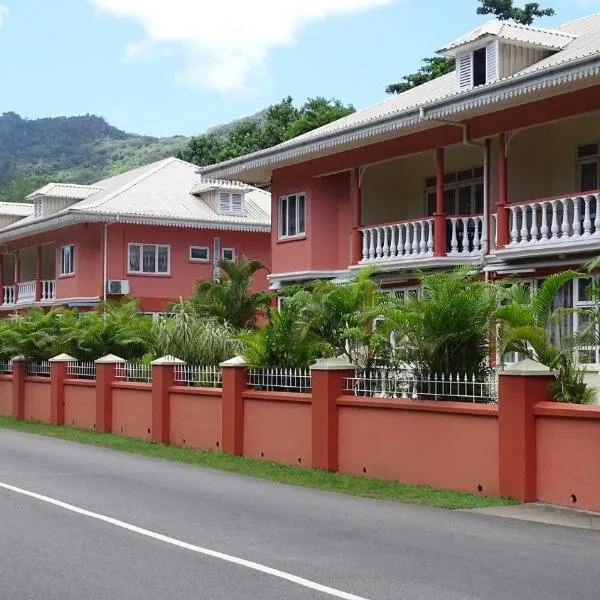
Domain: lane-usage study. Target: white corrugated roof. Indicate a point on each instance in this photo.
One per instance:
(551, 39)
(584, 36)
(219, 184)
(65, 190)
(18, 209)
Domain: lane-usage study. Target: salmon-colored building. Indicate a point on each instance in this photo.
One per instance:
(496, 164)
(151, 233)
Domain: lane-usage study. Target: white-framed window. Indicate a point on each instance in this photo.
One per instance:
(199, 253)
(228, 254)
(463, 192)
(231, 202)
(67, 260)
(588, 167)
(292, 216)
(149, 258)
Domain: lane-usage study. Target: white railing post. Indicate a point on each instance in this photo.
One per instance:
(430, 234)
(365, 247)
(454, 240)
(544, 229)
(554, 227)
(587, 221)
(524, 226)
(534, 226)
(565, 228)
(514, 232)
(576, 218)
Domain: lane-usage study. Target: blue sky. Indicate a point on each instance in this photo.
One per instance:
(163, 67)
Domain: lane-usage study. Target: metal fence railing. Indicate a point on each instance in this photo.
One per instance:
(5, 367)
(132, 371)
(38, 368)
(81, 370)
(404, 383)
(194, 375)
(280, 380)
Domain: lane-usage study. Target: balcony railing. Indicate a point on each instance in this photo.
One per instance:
(554, 220)
(415, 239)
(26, 292)
(48, 290)
(8, 294)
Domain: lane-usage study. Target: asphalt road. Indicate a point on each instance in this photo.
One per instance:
(360, 547)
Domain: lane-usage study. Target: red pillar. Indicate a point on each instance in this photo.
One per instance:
(106, 370)
(502, 211)
(521, 387)
(38, 274)
(58, 374)
(439, 241)
(328, 384)
(19, 370)
(357, 211)
(235, 383)
(163, 376)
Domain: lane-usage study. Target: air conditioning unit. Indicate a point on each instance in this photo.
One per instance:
(117, 287)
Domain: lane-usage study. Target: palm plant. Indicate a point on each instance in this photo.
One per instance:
(525, 321)
(229, 299)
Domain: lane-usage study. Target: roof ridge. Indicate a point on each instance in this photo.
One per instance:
(584, 18)
(551, 30)
(161, 164)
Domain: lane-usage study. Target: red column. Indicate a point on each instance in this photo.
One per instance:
(521, 387)
(106, 368)
(19, 370)
(58, 374)
(502, 218)
(163, 376)
(328, 384)
(235, 383)
(38, 274)
(439, 241)
(357, 211)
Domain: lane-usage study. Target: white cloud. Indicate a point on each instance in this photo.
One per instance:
(3, 13)
(226, 41)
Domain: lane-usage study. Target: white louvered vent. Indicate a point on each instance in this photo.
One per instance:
(38, 208)
(492, 62)
(465, 71)
(224, 202)
(231, 202)
(236, 202)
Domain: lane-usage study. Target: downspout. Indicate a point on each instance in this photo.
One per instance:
(104, 245)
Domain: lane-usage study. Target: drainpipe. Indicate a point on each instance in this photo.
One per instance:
(104, 245)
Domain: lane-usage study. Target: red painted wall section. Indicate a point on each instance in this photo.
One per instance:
(132, 410)
(196, 418)
(157, 291)
(37, 399)
(568, 446)
(6, 395)
(277, 427)
(80, 404)
(452, 446)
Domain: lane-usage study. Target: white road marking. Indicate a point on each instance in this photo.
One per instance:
(191, 547)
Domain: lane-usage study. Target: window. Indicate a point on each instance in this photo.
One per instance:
(478, 67)
(463, 192)
(588, 166)
(231, 202)
(149, 258)
(67, 260)
(292, 216)
(199, 253)
(228, 254)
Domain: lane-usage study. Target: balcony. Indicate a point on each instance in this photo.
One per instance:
(24, 293)
(412, 241)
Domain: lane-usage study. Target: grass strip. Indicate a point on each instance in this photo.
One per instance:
(354, 485)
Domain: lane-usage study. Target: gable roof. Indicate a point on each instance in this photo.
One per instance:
(160, 193)
(16, 209)
(64, 190)
(440, 98)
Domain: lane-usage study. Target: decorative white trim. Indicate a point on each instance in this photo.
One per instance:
(277, 279)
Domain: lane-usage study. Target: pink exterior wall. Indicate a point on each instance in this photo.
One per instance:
(132, 410)
(568, 447)
(80, 404)
(277, 426)
(5, 395)
(157, 291)
(443, 444)
(195, 417)
(37, 399)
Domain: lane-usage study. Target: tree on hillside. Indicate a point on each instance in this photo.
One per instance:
(436, 66)
(282, 121)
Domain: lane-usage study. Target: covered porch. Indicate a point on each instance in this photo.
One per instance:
(28, 276)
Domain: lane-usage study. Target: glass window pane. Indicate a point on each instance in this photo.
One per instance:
(301, 215)
(199, 253)
(149, 258)
(283, 228)
(134, 258)
(479, 199)
(587, 150)
(465, 204)
(163, 259)
(292, 215)
(450, 201)
(588, 176)
(431, 203)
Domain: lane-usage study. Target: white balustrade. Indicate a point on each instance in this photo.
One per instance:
(398, 241)
(26, 292)
(467, 235)
(8, 294)
(555, 220)
(48, 290)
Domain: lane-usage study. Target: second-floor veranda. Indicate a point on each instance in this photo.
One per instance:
(527, 192)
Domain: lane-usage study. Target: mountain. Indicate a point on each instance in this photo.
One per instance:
(80, 149)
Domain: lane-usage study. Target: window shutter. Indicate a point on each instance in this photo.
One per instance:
(492, 57)
(224, 205)
(236, 202)
(465, 70)
(37, 208)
